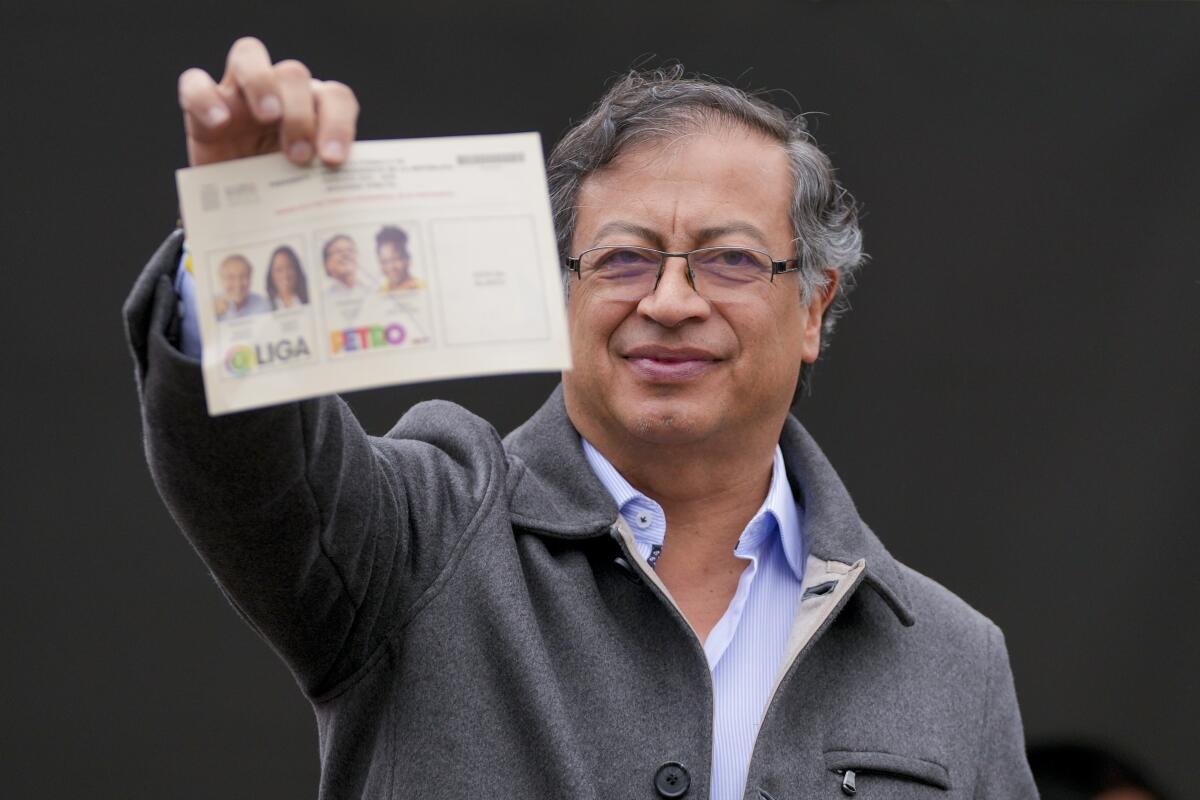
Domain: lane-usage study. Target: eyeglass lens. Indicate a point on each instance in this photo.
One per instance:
(629, 273)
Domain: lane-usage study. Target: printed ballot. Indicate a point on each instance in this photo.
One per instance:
(416, 260)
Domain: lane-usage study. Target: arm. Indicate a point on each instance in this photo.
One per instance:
(308, 525)
(1003, 768)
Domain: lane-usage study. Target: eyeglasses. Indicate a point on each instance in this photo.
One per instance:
(630, 272)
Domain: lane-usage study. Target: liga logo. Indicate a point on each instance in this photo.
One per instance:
(242, 359)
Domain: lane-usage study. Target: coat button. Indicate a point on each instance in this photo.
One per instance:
(672, 780)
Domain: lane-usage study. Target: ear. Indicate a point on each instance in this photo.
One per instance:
(814, 315)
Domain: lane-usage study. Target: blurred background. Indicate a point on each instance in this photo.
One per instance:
(1019, 373)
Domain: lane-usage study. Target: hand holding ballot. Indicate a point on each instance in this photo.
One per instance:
(259, 108)
(401, 261)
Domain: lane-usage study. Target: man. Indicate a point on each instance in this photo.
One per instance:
(391, 248)
(340, 256)
(236, 300)
(657, 586)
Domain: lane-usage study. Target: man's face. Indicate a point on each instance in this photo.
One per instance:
(235, 280)
(393, 262)
(341, 261)
(676, 367)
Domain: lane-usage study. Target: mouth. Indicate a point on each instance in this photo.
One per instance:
(670, 365)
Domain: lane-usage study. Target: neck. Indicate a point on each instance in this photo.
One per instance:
(709, 494)
(709, 491)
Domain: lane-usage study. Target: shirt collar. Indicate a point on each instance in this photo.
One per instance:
(644, 516)
(777, 514)
(781, 504)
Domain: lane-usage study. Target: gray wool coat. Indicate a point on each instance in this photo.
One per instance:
(469, 619)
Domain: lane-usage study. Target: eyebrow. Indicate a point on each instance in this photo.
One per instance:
(631, 228)
(703, 236)
(732, 229)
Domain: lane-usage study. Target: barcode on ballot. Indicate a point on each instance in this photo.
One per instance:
(490, 158)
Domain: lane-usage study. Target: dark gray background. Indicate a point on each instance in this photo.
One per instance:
(1019, 372)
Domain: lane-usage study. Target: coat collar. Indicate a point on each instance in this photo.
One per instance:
(554, 492)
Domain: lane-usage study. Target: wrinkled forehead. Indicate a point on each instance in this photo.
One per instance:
(684, 184)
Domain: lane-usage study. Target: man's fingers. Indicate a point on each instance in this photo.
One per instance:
(298, 126)
(337, 118)
(248, 68)
(257, 106)
(200, 101)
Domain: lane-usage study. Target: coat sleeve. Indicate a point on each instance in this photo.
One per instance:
(326, 540)
(1003, 767)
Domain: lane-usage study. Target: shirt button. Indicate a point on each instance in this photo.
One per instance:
(672, 780)
(643, 520)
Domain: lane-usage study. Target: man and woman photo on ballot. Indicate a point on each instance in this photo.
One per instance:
(286, 286)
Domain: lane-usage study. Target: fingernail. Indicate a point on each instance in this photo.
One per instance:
(216, 115)
(333, 150)
(300, 151)
(269, 106)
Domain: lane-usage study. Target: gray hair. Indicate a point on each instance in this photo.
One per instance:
(651, 105)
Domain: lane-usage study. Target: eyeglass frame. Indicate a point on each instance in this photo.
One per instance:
(778, 267)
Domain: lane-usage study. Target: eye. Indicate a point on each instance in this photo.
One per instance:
(620, 264)
(737, 258)
(732, 264)
(626, 257)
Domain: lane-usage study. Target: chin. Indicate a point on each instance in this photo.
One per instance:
(668, 421)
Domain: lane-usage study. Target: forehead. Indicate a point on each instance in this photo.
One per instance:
(239, 264)
(682, 187)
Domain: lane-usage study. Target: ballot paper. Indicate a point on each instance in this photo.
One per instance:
(416, 260)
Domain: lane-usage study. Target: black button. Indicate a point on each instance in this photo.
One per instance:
(672, 780)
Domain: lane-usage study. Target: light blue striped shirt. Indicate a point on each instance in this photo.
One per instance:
(746, 647)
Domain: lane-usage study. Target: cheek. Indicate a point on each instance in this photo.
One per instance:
(772, 340)
(592, 324)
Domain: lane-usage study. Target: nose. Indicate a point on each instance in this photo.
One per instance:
(674, 301)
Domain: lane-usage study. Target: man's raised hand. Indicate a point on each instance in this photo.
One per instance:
(260, 107)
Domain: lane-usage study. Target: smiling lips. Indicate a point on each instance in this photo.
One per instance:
(669, 364)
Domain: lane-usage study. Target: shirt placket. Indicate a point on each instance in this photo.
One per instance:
(721, 636)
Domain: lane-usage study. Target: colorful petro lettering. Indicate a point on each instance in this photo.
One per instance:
(368, 337)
